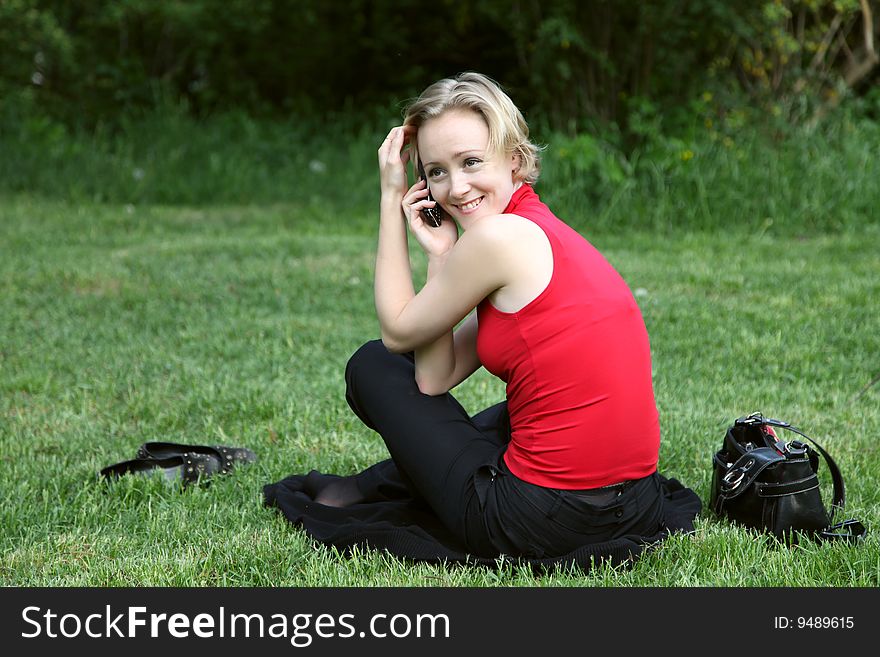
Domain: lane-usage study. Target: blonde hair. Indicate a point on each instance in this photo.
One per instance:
(508, 131)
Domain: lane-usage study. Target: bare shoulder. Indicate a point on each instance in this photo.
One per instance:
(519, 256)
(514, 251)
(505, 231)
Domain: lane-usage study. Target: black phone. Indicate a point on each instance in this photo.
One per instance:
(431, 216)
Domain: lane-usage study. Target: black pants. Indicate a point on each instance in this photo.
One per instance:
(453, 462)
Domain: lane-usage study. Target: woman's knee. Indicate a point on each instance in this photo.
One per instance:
(372, 364)
(365, 359)
(374, 375)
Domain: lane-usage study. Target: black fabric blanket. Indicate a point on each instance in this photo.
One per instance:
(394, 521)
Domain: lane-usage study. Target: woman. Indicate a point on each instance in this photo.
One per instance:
(569, 461)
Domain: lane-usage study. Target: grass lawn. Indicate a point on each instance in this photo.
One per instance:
(232, 325)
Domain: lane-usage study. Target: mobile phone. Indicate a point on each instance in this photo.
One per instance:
(431, 216)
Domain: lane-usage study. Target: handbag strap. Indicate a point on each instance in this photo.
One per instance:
(839, 495)
(743, 472)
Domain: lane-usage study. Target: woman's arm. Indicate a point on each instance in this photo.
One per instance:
(475, 267)
(461, 272)
(444, 363)
(393, 287)
(392, 284)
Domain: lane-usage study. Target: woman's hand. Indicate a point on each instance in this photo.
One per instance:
(392, 161)
(435, 242)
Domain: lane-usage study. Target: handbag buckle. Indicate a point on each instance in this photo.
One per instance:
(757, 418)
(796, 448)
(751, 420)
(735, 477)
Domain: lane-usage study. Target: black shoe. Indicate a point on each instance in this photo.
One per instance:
(186, 468)
(227, 457)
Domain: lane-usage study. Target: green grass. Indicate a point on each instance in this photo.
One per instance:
(122, 323)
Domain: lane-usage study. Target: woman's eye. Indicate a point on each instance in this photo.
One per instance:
(433, 173)
(471, 161)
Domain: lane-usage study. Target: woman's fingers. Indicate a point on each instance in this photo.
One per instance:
(395, 137)
(388, 146)
(392, 161)
(419, 188)
(415, 208)
(416, 198)
(414, 201)
(414, 193)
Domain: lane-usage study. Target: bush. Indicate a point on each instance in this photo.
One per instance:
(729, 173)
(571, 63)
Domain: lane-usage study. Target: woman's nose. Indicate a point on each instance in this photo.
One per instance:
(458, 185)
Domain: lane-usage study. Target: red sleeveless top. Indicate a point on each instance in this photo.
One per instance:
(577, 364)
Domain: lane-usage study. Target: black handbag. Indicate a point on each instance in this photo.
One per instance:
(763, 482)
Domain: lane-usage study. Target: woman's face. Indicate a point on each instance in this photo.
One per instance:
(467, 180)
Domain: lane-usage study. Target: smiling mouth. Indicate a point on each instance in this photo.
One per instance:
(470, 206)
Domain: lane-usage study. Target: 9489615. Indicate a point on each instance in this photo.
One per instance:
(814, 623)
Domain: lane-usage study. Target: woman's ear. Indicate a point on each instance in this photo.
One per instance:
(515, 164)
